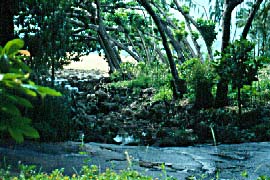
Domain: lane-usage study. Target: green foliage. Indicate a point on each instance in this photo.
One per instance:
(181, 32)
(45, 28)
(29, 173)
(128, 70)
(196, 73)
(195, 35)
(238, 65)
(52, 118)
(15, 86)
(263, 177)
(207, 28)
(164, 93)
(144, 75)
(257, 93)
(186, 9)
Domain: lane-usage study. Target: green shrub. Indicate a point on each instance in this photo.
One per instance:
(164, 93)
(200, 79)
(92, 173)
(86, 173)
(145, 75)
(15, 88)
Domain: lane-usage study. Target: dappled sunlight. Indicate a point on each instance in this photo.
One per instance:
(95, 62)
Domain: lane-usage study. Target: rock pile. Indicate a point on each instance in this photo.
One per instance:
(122, 115)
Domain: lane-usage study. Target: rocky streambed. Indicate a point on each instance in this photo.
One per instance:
(128, 115)
(122, 115)
(180, 162)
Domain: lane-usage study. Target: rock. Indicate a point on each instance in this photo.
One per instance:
(106, 80)
(127, 112)
(141, 114)
(107, 107)
(147, 92)
(101, 95)
(179, 162)
(91, 108)
(90, 97)
(134, 105)
(158, 110)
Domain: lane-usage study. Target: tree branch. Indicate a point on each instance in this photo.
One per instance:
(250, 18)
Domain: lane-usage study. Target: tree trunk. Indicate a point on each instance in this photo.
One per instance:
(191, 20)
(239, 102)
(163, 30)
(203, 96)
(196, 45)
(250, 18)
(222, 86)
(7, 11)
(175, 43)
(111, 54)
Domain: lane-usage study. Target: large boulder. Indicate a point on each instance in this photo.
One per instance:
(101, 96)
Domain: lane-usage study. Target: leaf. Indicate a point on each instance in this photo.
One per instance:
(47, 91)
(12, 76)
(24, 52)
(13, 46)
(29, 92)
(29, 131)
(20, 101)
(20, 121)
(10, 109)
(16, 134)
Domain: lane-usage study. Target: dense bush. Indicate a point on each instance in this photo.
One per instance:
(52, 118)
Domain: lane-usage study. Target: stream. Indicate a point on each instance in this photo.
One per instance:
(180, 162)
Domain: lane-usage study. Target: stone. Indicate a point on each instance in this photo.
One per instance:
(147, 92)
(178, 162)
(107, 107)
(101, 95)
(127, 112)
(90, 97)
(91, 108)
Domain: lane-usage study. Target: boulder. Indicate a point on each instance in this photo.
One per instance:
(106, 107)
(101, 95)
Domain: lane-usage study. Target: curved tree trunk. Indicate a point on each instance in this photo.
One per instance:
(222, 86)
(113, 57)
(175, 43)
(191, 20)
(196, 45)
(178, 84)
(250, 18)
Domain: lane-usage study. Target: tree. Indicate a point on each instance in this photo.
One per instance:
(229, 6)
(46, 31)
(146, 30)
(162, 30)
(260, 29)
